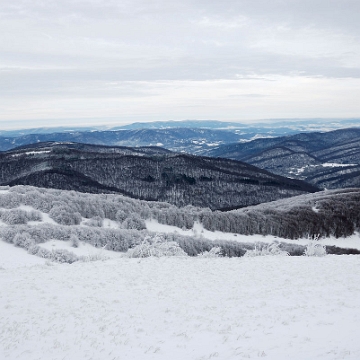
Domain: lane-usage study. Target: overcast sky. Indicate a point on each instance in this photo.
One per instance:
(119, 61)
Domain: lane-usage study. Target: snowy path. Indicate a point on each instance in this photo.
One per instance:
(183, 309)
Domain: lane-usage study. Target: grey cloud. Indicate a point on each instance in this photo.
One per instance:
(96, 48)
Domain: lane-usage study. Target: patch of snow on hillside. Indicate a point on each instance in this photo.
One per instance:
(214, 144)
(32, 153)
(47, 219)
(14, 257)
(84, 249)
(273, 307)
(337, 165)
(261, 136)
(300, 170)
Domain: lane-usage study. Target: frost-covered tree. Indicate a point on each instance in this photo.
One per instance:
(121, 215)
(156, 246)
(214, 252)
(74, 241)
(134, 222)
(23, 240)
(64, 215)
(14, 216)
(314, 248)
(272, 249)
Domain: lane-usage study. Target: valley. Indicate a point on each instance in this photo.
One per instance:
(146, 173)
(140, 250)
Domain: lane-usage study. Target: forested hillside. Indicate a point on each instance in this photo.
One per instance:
(327, 160)
(30, 216)
(146, 173)
(326, 213)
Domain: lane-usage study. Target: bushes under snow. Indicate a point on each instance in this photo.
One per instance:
(313, 248)
(272, 249)
(134, 222)
(19, 216)
(69, 208)
(64, 215)
(59, 255)
(157, 247)
(214, 252)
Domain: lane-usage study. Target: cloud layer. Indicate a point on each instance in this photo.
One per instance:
(122, 61)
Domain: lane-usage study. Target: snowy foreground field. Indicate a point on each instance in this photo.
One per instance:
(180, 308)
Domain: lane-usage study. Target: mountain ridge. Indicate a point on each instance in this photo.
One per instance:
(327, 160)
(146, 173)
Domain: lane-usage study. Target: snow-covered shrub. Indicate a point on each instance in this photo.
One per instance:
(33, 250)
(59, 255)
(10, 200)
(96, 221)
(64, 215)
(41, 233)
(212, 253)
(39, 251)
(23, 240)
(265, 250)
(134, 222)
(34, 215)
(156, 247)
(121, 215)
(74, 241)
(313, 248)
(19, 216)
(63, 256)
(7, 233)
(14, 217)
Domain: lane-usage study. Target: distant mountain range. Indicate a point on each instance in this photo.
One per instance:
(324, 159)
(146, 173)
(327, 160)
(191, 136)
(277, 125)
(178, 139)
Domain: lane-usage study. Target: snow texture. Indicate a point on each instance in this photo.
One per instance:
(182, 308)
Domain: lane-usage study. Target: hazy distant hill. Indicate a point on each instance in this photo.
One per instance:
(327, 160)
(191, 136)
(178, 139)
(146, 173)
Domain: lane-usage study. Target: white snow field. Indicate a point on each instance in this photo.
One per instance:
(181, 309)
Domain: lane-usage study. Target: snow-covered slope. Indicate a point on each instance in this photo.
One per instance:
(189, 308)
(192, 308)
